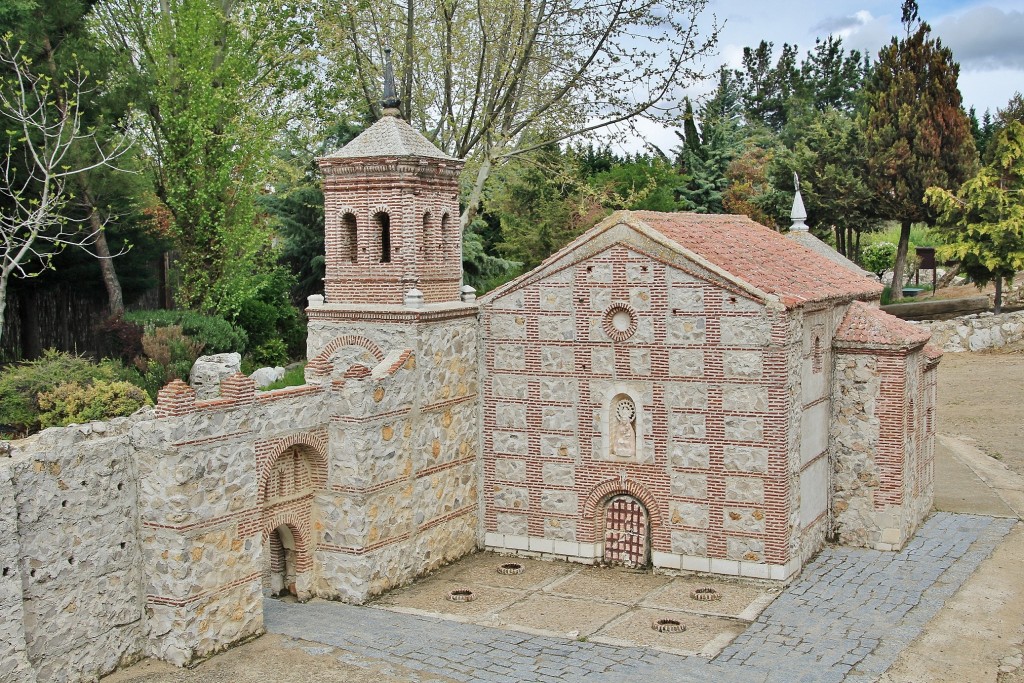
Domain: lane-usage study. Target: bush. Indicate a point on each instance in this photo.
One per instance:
(72, 403)
(21, 385)
(878, 257)
(215, 334)
(118, 338)
(269, 319)
(272, 353)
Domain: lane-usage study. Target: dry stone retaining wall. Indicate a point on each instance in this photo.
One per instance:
(977, 332)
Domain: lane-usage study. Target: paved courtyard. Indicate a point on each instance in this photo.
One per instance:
(847, 617)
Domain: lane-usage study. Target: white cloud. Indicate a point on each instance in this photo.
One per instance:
(985, 38)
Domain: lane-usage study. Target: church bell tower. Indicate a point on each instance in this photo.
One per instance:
(391, 213)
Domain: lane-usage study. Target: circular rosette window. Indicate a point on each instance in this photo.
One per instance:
(619, 321)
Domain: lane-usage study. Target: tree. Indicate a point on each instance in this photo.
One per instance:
(705, 155)
(828, 153)
(493, 80)
(215, 80)
(831, 77)
(916, 131)
(985, 218)
(45, 128)
(767, 87)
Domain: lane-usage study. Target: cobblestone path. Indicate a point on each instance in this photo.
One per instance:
(845, 619)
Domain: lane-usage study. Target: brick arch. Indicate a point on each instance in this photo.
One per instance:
(600, 494)
(300, 529)
(313, 446)
(321, 363)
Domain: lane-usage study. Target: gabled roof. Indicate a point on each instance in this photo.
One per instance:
(390, 136)
(756, 259)
(866, 325)
(761, 257)
(806, 239)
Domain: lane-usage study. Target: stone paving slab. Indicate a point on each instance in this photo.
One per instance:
(846, 618)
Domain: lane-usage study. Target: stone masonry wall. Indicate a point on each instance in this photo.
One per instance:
(72, 593)
(977, 332)
(707, 369)
(149, 535)
(883, 445)
(403, 497)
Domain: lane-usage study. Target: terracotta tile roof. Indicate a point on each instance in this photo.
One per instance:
(389, 137)
(932, 352)
(866, 325)
(806, 239)
(761, 257)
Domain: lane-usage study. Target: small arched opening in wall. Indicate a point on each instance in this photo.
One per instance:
(424, 247)
(445, 235)
(622, 426)
(349, 247)
(282, 575)
(622, 423)
(627, 532)
(382, 221)
(817, 355)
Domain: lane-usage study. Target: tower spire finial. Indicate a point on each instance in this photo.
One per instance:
(799, 213)
(391, 102)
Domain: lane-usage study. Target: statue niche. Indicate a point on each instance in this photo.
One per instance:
(622, 427)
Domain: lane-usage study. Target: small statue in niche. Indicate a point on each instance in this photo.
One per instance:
(623, 430)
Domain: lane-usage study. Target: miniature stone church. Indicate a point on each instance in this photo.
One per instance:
(673, 390)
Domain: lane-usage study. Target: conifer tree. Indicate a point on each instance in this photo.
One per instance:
(916, 132)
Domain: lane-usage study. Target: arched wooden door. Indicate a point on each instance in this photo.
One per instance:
(626, 532)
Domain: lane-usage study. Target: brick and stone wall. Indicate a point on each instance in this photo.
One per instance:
(707, 369)
(154, 535)
(403, 449)
(883, 435)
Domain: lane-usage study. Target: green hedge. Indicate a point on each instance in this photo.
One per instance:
(213, 332)
(21, 385)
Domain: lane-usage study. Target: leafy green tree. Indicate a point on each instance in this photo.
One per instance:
(917, 135)
(705, 155)
(985, 218)
(489, 81)
(45, 128)
(215, 81)
(296, 206)
(831, 77)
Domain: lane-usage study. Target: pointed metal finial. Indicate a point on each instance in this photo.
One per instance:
(390, 103)
(799, 213)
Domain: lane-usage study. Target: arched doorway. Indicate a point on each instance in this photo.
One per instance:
(288, 488)
(627, 532)
(282, 562)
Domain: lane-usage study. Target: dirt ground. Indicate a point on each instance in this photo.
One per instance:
(981, 399)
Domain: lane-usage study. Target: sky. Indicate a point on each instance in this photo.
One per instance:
(986, 37)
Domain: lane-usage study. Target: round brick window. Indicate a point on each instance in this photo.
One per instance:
(619, 321)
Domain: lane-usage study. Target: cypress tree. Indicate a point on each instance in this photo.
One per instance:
(916, 131)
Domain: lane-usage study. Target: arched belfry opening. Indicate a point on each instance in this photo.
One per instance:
(383, 222)
(348, 250)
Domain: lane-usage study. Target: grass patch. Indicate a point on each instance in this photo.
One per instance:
(920, 235)
(295, 377)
